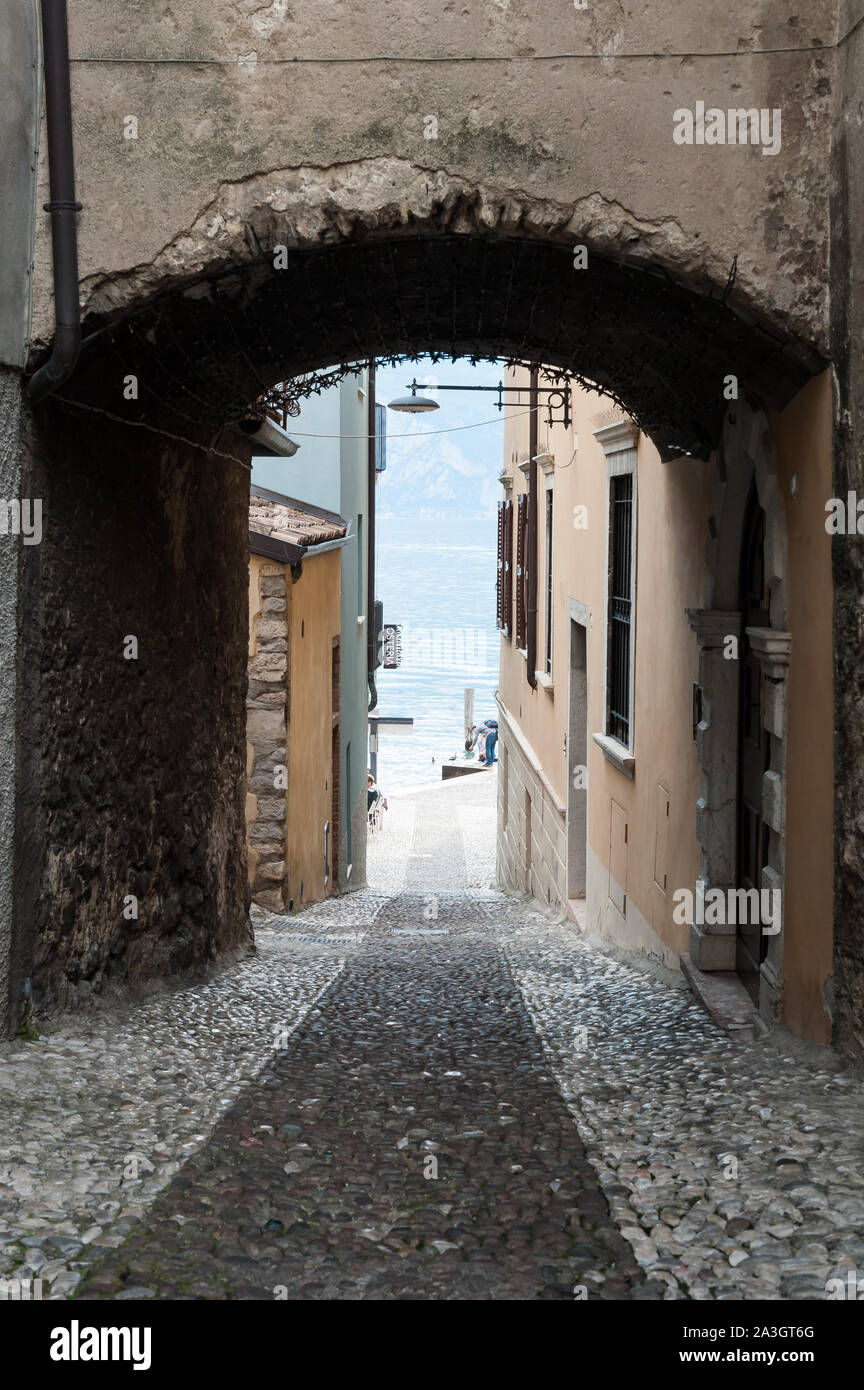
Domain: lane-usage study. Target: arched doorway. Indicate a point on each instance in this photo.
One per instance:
(152, 484)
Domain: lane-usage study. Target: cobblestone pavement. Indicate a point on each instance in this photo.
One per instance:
(97, 1116)
(408, 1144)
(734, 1170)
(408, 1134)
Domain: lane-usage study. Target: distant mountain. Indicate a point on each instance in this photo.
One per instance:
(434, 475)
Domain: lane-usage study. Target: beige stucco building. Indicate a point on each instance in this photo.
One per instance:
(293, 705)
(670, 728)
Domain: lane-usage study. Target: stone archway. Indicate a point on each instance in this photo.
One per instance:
(383, 255)
(151, 486)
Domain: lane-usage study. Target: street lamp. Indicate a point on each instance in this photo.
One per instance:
(558, 399)
(413, 404)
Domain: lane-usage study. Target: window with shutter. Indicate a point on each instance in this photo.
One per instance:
(499, 582)
(521, 571)
(507, 625)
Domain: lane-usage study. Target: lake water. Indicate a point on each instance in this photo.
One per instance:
(437, 578)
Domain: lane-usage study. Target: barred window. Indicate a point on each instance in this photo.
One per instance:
(549, 559)
(620, 630)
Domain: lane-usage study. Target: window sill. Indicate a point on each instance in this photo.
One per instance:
(523, 653)
(542, 678)
(361, 620)
(615, 753)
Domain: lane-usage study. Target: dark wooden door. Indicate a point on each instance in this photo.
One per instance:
(754, 750)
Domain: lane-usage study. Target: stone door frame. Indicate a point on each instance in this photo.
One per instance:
(746, 453)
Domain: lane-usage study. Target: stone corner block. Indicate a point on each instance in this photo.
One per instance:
(773, 800)
(711, 951)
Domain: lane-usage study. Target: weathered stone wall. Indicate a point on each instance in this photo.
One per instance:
(591, 134)
(20, 82)
(266, 730)
(140, 766)
(19, 618)
(847, 314)
(538, 867)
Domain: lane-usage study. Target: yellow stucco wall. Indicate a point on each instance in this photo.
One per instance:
(315, 622)
(673, 504)
(312, 616)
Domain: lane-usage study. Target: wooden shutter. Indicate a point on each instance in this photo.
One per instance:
(508, 569)
(521, 574)
(499, 581)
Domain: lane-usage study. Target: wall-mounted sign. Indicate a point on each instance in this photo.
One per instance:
(391, 646)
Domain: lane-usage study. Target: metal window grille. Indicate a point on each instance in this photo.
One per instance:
(620, 606)
(549, 513)
(331, 841)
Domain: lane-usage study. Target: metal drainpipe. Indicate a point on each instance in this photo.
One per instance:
(62, 207)
(371, 654)
(531, 557)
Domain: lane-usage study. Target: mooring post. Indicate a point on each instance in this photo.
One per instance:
(469, 710)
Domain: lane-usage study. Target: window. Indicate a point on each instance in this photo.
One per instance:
(620, 608)
(349, 810)
(331, 856)
(508, 568)
(522, 571)
(361, 605)
(504, 590)
(499, 572)
(549, 513)
(380, 437)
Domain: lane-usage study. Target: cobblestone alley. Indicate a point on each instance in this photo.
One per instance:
(427, 1090)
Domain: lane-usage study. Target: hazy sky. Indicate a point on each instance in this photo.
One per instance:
(435, 472)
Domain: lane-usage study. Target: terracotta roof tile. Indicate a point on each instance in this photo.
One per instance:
(285, 520)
